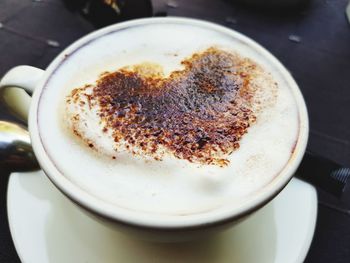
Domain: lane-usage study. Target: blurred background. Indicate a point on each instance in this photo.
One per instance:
(310, 37)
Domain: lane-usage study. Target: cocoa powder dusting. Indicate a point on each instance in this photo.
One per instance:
(199, 113)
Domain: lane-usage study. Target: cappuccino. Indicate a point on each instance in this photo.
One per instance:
(168, 119)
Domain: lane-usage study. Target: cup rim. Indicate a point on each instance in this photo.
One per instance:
(141, 219)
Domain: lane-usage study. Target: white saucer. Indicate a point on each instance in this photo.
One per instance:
(46, 227)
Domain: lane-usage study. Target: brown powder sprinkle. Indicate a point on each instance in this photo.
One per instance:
(198, 113)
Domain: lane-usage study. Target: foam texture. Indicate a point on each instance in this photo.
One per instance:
(172, 186)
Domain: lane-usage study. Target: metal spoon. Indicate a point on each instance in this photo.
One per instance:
(16, 153)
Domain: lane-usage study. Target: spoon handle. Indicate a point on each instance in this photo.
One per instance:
(323, 173)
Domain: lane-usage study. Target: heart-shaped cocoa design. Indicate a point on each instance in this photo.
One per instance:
(198, 113)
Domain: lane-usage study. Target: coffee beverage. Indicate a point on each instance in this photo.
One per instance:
(168, 118)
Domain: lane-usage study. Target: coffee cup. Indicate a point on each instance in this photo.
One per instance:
(154, 199)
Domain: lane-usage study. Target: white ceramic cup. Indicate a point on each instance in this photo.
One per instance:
(25, 78)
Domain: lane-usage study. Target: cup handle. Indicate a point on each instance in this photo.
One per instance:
(13, 87)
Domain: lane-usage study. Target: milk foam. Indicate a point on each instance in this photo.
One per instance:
(172, 186)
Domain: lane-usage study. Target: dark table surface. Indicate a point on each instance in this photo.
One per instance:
(320, 63)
